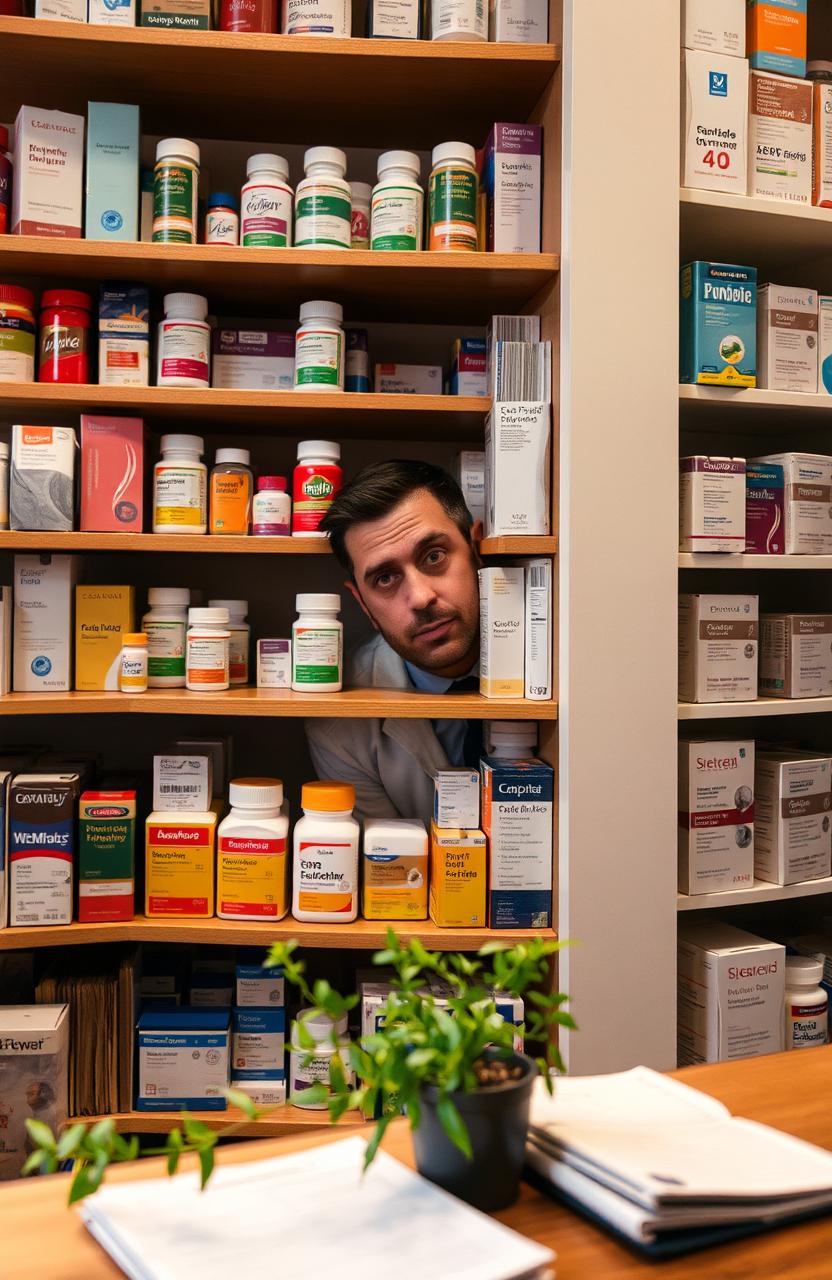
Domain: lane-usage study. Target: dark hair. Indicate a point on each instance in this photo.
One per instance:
(379, 488)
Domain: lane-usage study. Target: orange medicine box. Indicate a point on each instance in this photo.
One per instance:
(776, 34)
(179, 864)
(112, 474)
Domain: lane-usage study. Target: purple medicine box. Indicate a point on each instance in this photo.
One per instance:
(765, 532)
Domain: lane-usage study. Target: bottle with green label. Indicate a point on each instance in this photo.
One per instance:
(319, 347)
(398, 203)
(165, 625)
(452, 198)
(317, 644)
(323, 201)
(175, 192)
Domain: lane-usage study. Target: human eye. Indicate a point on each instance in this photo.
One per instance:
(435, 558)
(384, 580)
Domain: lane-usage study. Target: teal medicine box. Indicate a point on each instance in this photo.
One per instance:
(718, 325)
(112, 205)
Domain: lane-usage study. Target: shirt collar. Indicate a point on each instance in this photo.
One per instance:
(428, 682)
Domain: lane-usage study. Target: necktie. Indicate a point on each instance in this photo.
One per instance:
(472, 743)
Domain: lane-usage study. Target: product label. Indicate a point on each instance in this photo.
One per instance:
(179, 496)
(316, 17)
(238, 656)
(313, 491)
(184, 350)
(165, 648)
(318, 359)
(133, 674)
(324, 879)
(230, 503)
(207, 661)
(272, 513)
(395, 19)
(397, 219)
(459, 16)
(17, 348)
(180, 869)
(307, 1070)
(395, 887)
(267, 215)
(359, 228)
(316, 655)
(222, 226)
(808, 1025)
(252, 876)
(452, 198)
(40, 870)
(63, 353)
(174, 203)
(323, 216)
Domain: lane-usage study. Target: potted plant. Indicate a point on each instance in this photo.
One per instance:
(441, 1053)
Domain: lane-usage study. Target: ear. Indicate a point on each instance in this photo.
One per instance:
(477, 531)
(356, 595)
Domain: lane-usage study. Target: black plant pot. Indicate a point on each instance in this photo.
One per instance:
(497, 1119)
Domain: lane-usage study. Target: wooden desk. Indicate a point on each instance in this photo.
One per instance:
(40, 1239)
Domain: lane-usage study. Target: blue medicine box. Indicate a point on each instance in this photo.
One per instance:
(718, 325)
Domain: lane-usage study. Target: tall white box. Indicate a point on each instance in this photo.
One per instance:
(793, 811)
(502, 628)
(780, 138)
(796, 655)
(711, 503)
(469, 473)
(538, 629)
(731, 993)
(517, 469)
(715, 122)
(44, 587)
(518, 21)
(807, 501)
(787, 338)
(717, 26)
(34, 1076)
(718, 639)
(47, 192)
(716, 816)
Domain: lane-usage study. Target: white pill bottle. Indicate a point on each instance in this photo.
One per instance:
(240, 642)
(308, 1067)
(323, 201)
(184, 342)
(317, 18)
(180, 486)
(317, 644)
(807, 1004)
(319, 347)
(207, 651)
(325, 858)
(252, 853)
(165, 624)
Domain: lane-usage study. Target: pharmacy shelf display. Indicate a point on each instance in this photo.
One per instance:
(231, 544)
(755, 709)
(759, 891)
(705, 560)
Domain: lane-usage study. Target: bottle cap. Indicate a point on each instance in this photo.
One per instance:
(207, 617)
(233, 455)
(278, 483)
(328, 797)
(182, 444)
(803, 971)
(16, 293)
(223, 200)
(177, 147)
(174, 597)
(66, 298)
(325, 155)
(323, 310)
(361, 191)
(255, 793)
(819, 69)
(234, 608)
(185, 306)
(134, 637)
(327, 449)
(399, 160)
(454, 151)
(266, 163)
(321, 1027)
(312, 602)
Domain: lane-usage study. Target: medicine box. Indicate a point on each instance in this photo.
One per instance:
(517, 469)
(716, 816)
(112, 474)
(211, 990)
(409, 379)
(177, 15)
(258, 1048)
(179, 869)
(394, 869)
(518, 21)
(183, 1059)
(825, 336)
(780, 138)
(395, 20)
(764, 509)
(793, 800)
(457, 878)
(718, 638)
(44, 588)
(62, 10)
(456, 798)
(807, 509)
(106, 855)
(274, 664)
(48, 191)
(111, 210)
(469, 473)
(253, 359)
(468, 377)
(718, 324)
(787, 339)
(42, 847)
(502, 632)
(42, 478)
(517, 804)
(711, 503)
(112, 13)
(538, 629)
(822, 144)
(6, 776)
(34, 1077)
(103, 615)
(512, 181)
(717, 26)
(796, 655)
(731, 992)
(776, 35)
(123, 335)
(715, 122)
(183, 782)
(256, 984)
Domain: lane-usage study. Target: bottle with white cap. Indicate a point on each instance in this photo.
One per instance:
(165, 625)
(252, 852)
(323, 201)
(230, 492)
(317, 644)
(175, 191)
(452, 198)
(180, 486)
(266, 203)
(309, 1067)
(510, 739)
(317, 18)
(807, 1004)
(316, 480)
(459, 20)
(240, 642)
(184, 342)
(207, 651)
(398, 203)
(361, 194)
(319, 347)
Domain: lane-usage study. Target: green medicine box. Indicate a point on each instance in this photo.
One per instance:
(106, 856)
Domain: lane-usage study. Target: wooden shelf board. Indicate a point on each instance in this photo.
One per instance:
(760, 891)
(713, 560)
(359, 935)
(229, 545)
(752, 410)
(458, 286)
(409, 89)
(279, 1122)
(750, 710)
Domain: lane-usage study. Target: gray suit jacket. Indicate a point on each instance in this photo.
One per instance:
(389, 761)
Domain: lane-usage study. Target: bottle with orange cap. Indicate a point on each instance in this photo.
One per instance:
(325, 880)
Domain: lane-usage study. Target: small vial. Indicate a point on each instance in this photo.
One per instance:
(272, 508)
(132, 676)
(222, 219)
(361, 193)
(807, 1004)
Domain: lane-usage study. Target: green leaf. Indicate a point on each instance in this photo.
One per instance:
(86, 1181)
(316, 1094)
(34, 1161)
(41, 1135)
(69, 1140)
(454, 1125)
(492, 948)
(206, 1166)
(173, 1161)
(242, 1102)
(421, 1058)
(101, 1133)
(375, 1141)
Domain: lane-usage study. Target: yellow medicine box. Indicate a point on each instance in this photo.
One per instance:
(179, 864)
(457, 877)
(102, 616)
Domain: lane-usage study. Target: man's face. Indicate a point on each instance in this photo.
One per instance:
(416, 579)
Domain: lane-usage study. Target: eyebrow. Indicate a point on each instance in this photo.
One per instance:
(436, 536)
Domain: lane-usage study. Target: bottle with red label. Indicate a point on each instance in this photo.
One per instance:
(252, 865)
(65, 319)
(317, 479)
(249, 15)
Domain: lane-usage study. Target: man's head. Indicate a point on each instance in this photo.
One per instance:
(403, 531)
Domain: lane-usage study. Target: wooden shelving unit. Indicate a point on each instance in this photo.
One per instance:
(200, 544)
(754, 709)
(705, 560)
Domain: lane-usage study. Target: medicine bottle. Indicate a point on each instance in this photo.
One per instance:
(317, 478)
(175, 191)
(180, 486)
(325, 861)
(207, 650)
(319, 347)
(511, 739)
(361, 194)
(249, 15)
(323, 202)
(230, 491)
(807, 1004)
(165, 625)
(357, 361)
(317, 644)
(317, 18)
(132, 676)
(4, 485)
(398, 203)
(252, 852)
(6, 166)
(310, 1067)
(266, 203)
(459, 20)
(65, 318)
(17, 334)
(240, 638)
(271, 515)
(184, 342)
(452, 198)
(222, 219)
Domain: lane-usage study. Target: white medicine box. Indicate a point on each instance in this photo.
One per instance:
(787, 338)
(717, 26)
(793, 810)
(714, 122)
(718, 648)
(711, 504)
(716, 816)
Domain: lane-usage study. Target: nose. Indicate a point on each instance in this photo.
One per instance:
(421, 592)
